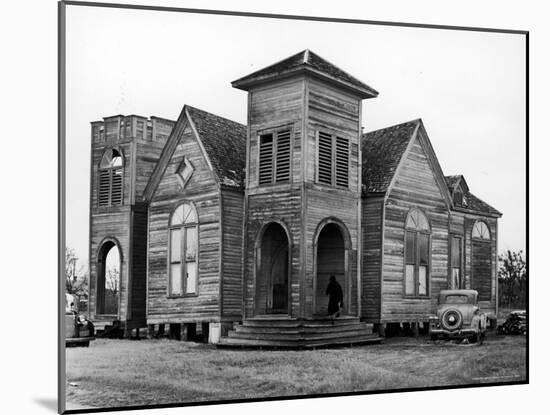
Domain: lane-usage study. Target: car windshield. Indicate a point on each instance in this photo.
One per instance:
(456, 299)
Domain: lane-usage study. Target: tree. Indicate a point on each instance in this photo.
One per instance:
(76, 282)
(512, 277)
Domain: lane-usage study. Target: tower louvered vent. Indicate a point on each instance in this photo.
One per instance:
(266, 158)
(333, 160)
(283, 156)
(325, 158)
(275, 157)
(342, 162)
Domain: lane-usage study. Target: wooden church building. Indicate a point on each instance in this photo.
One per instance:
(234, 230)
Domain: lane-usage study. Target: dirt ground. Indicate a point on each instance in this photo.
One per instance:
(113, 373)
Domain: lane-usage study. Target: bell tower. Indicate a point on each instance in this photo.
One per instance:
(124, 152)
(303, 185)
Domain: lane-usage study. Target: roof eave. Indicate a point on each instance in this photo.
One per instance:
(495, 214)
(247, 82)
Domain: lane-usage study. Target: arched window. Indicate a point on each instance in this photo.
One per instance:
(110, 178)
(417, 254)
(481, 231)
(183, 251)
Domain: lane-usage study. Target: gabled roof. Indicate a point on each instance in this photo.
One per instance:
(472, 202)
(223, 141)
(382, 151)
(310, 62)
(454, 181)
(225, 144)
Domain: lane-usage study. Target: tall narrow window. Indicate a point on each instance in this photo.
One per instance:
(274, 158)
(456, 263)
(183, 251)
(482, 256)
(333, 160)
(417, 254)
(110, 178)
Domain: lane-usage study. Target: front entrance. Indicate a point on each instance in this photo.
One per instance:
(272, 274)
(331, 260)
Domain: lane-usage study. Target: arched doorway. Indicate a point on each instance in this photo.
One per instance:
(272, 274)
(108, 280)
(331, 259)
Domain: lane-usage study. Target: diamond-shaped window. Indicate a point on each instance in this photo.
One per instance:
(185, 171)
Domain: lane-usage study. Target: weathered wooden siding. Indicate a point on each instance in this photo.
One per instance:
(138, 266)
(108, 222)
(113, 225)
(232, 236)
(202, 189)
(140, 141)
(283, 206)
(462, 224)
(148, 153)
(414, 186)
(342, 206)
(278, 105)
(334, 111)
(313, 105)
(372, 258)
(487, 305)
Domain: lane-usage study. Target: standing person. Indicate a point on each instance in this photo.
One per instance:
(335, 298)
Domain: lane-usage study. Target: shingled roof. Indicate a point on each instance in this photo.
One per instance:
(476, 204)
(225, 143)
(382, 151)
(473, 203)
(306, 60)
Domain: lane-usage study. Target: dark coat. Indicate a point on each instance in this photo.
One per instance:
(336, 296)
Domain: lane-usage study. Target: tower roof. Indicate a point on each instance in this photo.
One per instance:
(308, 62)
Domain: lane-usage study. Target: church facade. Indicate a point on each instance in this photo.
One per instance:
(217, 223)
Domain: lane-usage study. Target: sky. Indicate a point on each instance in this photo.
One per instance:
(468, 88)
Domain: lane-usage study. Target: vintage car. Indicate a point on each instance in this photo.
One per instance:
(458, 317)
(516, 323)
(79, 331)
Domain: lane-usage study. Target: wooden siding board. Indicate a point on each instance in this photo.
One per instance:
(372, 257)
(114, 226)
(232, 231)
(414, 186)
(203, 191)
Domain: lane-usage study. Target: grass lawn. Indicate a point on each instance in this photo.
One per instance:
(129, 372)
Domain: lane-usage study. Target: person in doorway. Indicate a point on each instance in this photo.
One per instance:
(335, 298)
